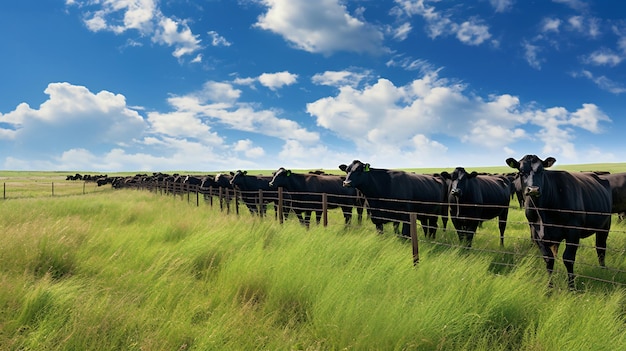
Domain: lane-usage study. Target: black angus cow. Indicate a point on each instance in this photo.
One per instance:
(617, 181)
(474, 198)
(249, 187)
(394, 194)
(559, 206)
(305, 192)
(226, 192)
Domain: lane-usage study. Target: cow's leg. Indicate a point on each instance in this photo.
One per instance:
(429, 225)
(347, 214)
(379, 227)
(601, 237)
(548, 257)
(502, 225)
(569, 257)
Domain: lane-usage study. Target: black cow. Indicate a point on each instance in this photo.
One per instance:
(475, 198)
(617, 181)
(305, 193)
(249, 187)
(395, 194)
(560, 205)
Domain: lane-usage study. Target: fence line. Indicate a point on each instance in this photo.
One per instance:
(257, 200)
(22, 189)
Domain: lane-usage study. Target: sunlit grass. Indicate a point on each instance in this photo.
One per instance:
(133, 270)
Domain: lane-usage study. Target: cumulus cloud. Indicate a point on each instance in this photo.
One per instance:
(143, 16)
(406, 119)
(218, 102)
(277, 80)
(73, 117)
(323, 26)
(248, 149)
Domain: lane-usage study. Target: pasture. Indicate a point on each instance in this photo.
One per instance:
(136, 270)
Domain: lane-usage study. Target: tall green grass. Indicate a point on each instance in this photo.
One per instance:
(132, 270)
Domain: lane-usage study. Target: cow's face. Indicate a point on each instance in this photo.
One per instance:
(531, 173)
(280, 178)
(459, 178)
(356, 172)
(237, 178)
(207, 182)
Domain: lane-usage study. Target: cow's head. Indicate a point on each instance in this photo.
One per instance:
(207, 181)
(237, 177)
(280, 178)
(356, 171)
(531, 174)
(459, 181)
(222, 180)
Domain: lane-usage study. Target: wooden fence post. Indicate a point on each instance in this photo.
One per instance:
(325, 209)
(416, 255)
(52, 188)
(4, 191)
(261, 208)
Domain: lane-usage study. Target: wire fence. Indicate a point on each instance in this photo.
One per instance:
(285, 203)
(27, 188)
(519, 248)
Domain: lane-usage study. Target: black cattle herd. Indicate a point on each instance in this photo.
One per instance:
(559, 205)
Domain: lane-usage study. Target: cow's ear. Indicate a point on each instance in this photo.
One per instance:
(511, 162)
(245, 172)
(445, 175)
(343, 167)
(232, 173)
(473, 174)
(367, 167)
(549, 162)
(288, 173)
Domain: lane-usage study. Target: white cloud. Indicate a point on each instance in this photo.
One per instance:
(74, 116)
(322, 26)
(604, 57)
(531, 54)
(275, 81)
(177, 34)
(339, 78)
(218, 101)
(470, 32)
(551, 25)
(143, 16)
(602, 82)
(248, 149)
(574, 4)
(501, 5)
(385, 119)
(402, 31)
(218, 40)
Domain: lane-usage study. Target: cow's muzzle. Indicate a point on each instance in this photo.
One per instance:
(532, 191)
(347, 183)
(456, 192)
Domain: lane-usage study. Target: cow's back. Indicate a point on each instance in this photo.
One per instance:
(583, 199)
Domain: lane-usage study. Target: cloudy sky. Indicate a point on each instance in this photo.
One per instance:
(158, 85)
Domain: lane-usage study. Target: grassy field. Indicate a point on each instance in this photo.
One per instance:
(134, 270)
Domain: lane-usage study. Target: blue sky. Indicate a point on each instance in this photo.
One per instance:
(157, 85)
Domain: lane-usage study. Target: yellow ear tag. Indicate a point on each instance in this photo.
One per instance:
(288, 173)
(367, 167)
